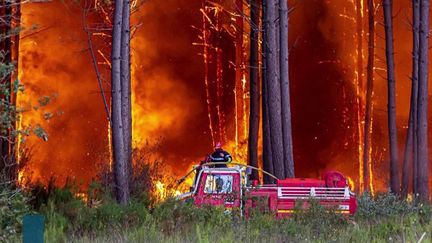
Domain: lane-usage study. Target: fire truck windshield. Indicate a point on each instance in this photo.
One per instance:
(218, 184)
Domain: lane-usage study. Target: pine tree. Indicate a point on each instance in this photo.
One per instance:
(254, 107)
(285, 91)
(391, 110)
(422, 112)
(121, 168)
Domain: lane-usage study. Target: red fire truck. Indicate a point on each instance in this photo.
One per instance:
(230, 187)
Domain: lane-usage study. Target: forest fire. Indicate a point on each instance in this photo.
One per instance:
(190, 86)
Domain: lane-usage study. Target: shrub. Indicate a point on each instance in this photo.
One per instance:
(67, 213)
(318, 220)
(173, 216)
(13, 206)
(384, 204)
(145, 173)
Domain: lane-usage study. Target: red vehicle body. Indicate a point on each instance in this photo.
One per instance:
(230, 188)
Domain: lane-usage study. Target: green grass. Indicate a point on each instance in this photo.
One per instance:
(266, 229)
(384, 218)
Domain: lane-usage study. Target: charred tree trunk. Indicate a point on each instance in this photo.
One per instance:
(369, 92)
(359, 89)
(7, 58)
(422, 113)
(7, 159)
(239, 73)
(273, 88)
(205, 34)
(16, 23)
(219, 78)
(411, 138)
(285, 91)
(254, 106)
(126, 86)
(120, 163)
(391, 106)
(267, 149)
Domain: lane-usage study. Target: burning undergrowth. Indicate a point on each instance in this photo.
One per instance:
(150, 183)
(169, 88)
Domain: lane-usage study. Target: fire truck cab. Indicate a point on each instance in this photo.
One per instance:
(230, 187)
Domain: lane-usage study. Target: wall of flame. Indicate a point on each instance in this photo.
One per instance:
(169, 100)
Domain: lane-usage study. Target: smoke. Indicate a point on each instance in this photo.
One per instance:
(169, 99)
(54, 60)
(168, 93)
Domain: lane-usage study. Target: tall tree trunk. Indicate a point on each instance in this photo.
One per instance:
(391, 106)
(120, 165)
(254, 106)
(411, 138)
(239, 113)
(219, 77)
(359, 90)
(285, 91)
(267, 149)
(126, 86)
(2, 24)
(422, 113)
(15, 26)
(274, 92)
(6, 160)
(369, 92)
(205, 37)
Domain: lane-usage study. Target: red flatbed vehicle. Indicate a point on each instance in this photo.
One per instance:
(230, 187)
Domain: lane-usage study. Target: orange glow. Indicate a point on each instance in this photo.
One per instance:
(351, 183)
(370, 167)
(184, 92)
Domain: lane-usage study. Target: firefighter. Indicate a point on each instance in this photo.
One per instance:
(220, 156)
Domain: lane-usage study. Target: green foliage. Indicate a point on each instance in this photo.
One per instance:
(68, 214)
(145, 172)
(101, 219)
(14, 203)
(13, 206)
(8, 112)
(173, 215)
(5, 68)
(384, 204)
(317, 217)
(10, 88)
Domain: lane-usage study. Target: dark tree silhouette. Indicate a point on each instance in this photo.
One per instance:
(411, 138)
(422, 112)
(267, 150)
(120, 163)
(369, 92)
(6, 49)
(126, 86)
(359, 30)
(391, 106)
(239, 71)
(273, 87)
(10, 16)
(254, 107)
(285, 91)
